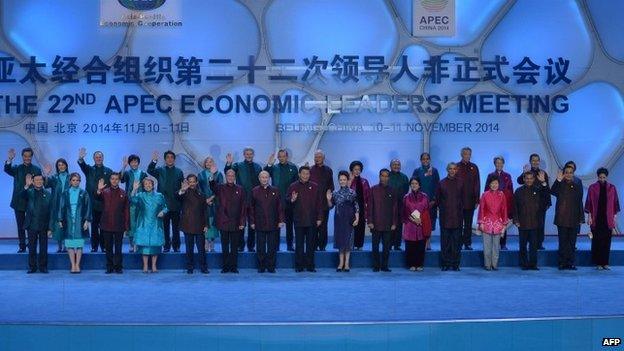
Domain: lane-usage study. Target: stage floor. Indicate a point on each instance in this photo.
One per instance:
(172, 297)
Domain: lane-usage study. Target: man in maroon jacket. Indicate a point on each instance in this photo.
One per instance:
(468, 174)
(308, 209)
(230, 217)
(115, 220)
(449, 200)
(193, 221)
(323, 176)
(382, 213)
(267, 217)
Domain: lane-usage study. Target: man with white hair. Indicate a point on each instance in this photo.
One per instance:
(323, 176)
(266, 218)
(247, 173)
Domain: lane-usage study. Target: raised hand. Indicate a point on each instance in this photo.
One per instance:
(229, 158)
(155, 155)
(293, 196)
(560, 175)
(47, 169)
(124, 162)
(541, 176)
(28, 181)
(101, 185)
(11, 154)
(82, 152)
(185, 185)
(271, 160)
(526, 168)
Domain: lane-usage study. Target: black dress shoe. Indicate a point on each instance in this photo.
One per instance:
(241, 249)
(534, 268)
(31, 271)
(93, 250)
(205, 271)
(109, 271)
(59, 250)
(428, 249)
(572, 268)
(290, 248)
(251, 250)
(444, 268)
(375, 269)
(456, 268)
(225, 270)
(525, 268)
(271, 270)
(189, 271)
(43, 270)
(386, 269)
(166, 250)
(119, 271)
(176, 250)
(261, 270)
(21, 250)
(234, 270)
(468, 247)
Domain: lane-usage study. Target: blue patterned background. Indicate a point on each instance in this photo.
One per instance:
(584, 31)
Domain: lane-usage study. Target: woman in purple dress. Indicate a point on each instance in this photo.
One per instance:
(346, 216)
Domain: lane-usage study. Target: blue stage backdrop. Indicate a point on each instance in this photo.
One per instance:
(352, 77)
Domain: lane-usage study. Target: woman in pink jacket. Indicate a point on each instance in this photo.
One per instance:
(602, 205)
(416, 225)
(492, 220)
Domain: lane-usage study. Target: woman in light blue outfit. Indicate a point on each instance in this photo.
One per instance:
(74, 218)
(149, 235)
(58, 183)
(210, 173)
(130, 176)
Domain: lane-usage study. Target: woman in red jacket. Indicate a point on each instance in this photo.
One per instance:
(493, 219)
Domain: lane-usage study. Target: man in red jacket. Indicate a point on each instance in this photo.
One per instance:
(115, 220)
(382, 213)
(267, 217)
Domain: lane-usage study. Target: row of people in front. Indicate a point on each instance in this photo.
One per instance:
(387, 216)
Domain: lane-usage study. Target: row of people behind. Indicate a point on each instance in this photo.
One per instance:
(171, 186)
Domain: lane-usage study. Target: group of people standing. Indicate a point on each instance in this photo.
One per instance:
(265, 199)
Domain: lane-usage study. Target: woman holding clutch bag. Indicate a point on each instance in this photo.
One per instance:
(416, 225)
(492, 220)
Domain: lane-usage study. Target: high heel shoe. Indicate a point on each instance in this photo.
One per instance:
(339, 269)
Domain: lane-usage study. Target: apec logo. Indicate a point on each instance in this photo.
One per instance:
(611, 341)
(434, 5)
(141, 5)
